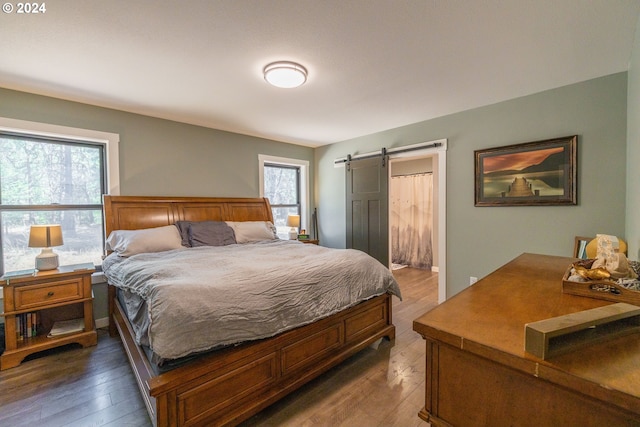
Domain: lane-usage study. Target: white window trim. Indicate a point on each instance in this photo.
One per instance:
(304, 182)
(111, 140)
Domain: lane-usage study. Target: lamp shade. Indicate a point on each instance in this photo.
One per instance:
(45, 236)
(293, 221)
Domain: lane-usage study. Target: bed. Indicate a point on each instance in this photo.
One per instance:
(228, 385)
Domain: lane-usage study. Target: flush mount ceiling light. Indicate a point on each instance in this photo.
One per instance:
(285, 74)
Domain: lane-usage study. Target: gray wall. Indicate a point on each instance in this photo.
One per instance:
(161, 157)
(480, 239)
(633, 152)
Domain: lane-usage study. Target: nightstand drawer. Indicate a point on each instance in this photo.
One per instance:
(27, 297)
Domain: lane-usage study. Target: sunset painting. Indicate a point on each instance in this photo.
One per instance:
(533, 173)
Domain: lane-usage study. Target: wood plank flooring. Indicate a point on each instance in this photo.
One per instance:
(383, 385)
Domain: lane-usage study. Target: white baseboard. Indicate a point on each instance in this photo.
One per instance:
(434, 268)
(102, 323)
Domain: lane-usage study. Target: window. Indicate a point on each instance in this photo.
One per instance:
(282, 188)
(285, 183)
(52, 179)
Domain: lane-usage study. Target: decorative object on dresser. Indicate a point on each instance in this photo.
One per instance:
(478, 372)
(618, 245)
(605, 289)
(227, 385)
(605, 273)
(549, 337)
(36, 302)
(45, 237)
(580, 246)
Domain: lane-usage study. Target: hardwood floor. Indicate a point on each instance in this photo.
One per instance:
(382, 385)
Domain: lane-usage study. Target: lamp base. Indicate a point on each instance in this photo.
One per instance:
(293, 234)
(47, 260)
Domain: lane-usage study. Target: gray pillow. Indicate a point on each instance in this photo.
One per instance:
(210, 233)
(183, 228)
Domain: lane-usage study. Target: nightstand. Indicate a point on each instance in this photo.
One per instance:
(34, 302)
(311, 241)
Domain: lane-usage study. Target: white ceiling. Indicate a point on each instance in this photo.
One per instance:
(373, 64)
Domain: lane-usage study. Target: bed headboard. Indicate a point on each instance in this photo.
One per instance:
(136, 212)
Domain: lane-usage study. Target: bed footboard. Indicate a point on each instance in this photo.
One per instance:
(228, 386)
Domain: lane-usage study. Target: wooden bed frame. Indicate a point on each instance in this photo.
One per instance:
(228, 386)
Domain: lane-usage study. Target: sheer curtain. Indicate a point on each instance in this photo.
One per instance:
(411, 198)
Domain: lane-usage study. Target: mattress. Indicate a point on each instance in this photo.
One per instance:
(191, 300)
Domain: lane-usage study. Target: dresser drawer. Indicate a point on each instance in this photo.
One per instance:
(33, 296)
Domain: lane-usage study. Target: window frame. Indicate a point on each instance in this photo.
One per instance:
(68, 135)
(298, 203)
(46, 130)
(303, 166)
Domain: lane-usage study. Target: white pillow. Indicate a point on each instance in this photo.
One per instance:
(130, 242)
(253, 231)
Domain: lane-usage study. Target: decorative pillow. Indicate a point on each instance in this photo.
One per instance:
(130, 242)
(210, 233)
(183, 229)
(253, 231)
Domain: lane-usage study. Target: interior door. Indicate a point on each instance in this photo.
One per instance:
(367, 207)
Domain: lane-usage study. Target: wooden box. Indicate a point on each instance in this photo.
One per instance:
(557, 335)
(600, 289)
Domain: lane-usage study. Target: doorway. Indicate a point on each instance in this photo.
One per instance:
(411, 221)
(438, 160)
(437, 151)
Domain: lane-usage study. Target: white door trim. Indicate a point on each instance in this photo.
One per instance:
(439, 153)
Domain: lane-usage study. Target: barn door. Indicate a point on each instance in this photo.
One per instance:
(367, 207)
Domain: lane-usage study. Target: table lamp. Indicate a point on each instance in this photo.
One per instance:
(293, 221)
(45, 237)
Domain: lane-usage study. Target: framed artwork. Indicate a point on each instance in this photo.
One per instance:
(529, 174)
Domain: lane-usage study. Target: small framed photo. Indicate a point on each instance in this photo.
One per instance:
(529, 174)
(580, 247)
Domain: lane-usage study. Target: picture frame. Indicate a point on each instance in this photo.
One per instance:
(580, 247)
(528, 174)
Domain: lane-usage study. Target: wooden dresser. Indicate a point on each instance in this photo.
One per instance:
(478, 374)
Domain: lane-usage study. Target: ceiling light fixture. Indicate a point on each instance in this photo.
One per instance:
(285, 74)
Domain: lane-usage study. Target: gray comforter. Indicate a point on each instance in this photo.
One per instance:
(202, 298)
